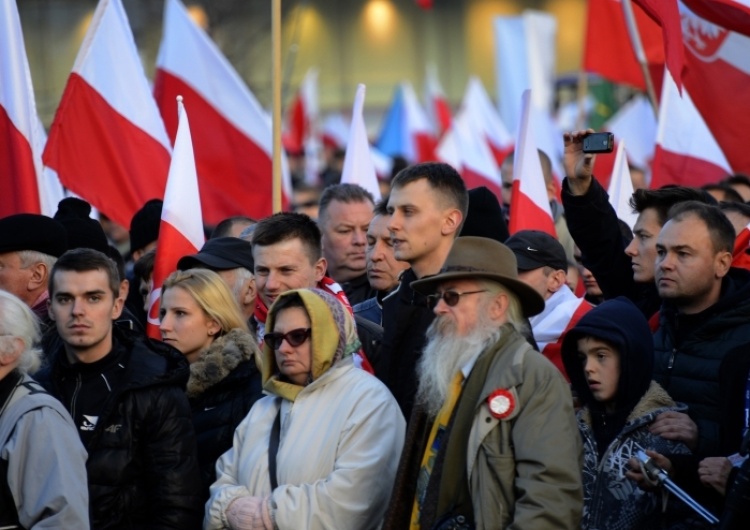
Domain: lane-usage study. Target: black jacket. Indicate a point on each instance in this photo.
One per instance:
(406, 317)
(689, 351)
(224, 383)
(142, 466)
(358, 290)
(594, 226)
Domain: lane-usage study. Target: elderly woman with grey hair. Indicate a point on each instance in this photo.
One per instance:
(42, 461)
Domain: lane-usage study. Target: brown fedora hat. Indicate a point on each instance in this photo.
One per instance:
(480, 257)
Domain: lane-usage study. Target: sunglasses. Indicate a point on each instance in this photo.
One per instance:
(450, 298)
(295, 337)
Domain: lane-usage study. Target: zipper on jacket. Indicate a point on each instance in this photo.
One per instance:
(75, 395)
(671, 358)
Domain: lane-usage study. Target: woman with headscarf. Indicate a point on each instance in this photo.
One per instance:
(200, 318)
(332, 432)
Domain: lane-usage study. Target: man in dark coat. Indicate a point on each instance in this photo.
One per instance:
(127, 401)
(428, 203)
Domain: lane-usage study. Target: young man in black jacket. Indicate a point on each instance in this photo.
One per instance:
(127, 401)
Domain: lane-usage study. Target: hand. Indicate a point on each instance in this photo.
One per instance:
(578, 165)
(714, 471)
(249, 513)
(640, 478)
(676, 426)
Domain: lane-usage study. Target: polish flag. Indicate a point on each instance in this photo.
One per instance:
(718, 79)
(733, 15)
(741, 253)
(181, 228)
(608, 50)
(438, 109)
(406, 130)
(26, 187)
(358, 166)
(302, 113)
(667, 14)
(107, 142)
(233, 142)
(335, 131)
(687, 153)
(621, 187)
(529, 206)
(484, 117)
(465, 148)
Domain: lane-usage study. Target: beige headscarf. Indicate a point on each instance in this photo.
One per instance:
(334, 336)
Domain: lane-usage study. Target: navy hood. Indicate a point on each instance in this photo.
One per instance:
(620, 323)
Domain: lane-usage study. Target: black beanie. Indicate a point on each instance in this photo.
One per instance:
(30, 231)
(144, 227)
(485, 216)
(83, 231)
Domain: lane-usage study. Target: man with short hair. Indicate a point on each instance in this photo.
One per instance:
(620, 268)
(232, 259)
(344, 214)
(492, 441)
(232, 226)
(427, 207)
(383, 269)
(705, 315)
(542, 265)
(126, 397)
(29, 246)
(287, 255)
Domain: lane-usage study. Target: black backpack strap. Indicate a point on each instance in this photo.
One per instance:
(273, 448)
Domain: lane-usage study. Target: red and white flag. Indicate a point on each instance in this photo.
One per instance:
(687, 154)
(107, 142)
(733, 15)
(529, 205)
(26, 187)
(621, 187)
(233, 139)
(181, 228)
(466, 149)
(608, 50)
(302, 113)
(358, 162)
(484, 117)
(438, 109)
(718, 79)
(667, 14)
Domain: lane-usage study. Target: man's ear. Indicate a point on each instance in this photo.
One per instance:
(118, 306)
(722, 264)
(320, 269)
(124, 289)
(498, 307)
(39, 276)
(452, 222)
(251, 292)
(556, 280)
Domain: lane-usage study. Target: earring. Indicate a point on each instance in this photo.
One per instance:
(210, 333)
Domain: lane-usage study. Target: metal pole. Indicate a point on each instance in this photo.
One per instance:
(276, 114)
(640, 55)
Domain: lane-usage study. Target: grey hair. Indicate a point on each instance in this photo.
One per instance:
(346, 193)
(241, 275)
(17, 320)
(30, 257)
(515, 312)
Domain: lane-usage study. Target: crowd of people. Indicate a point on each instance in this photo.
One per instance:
(401, 365)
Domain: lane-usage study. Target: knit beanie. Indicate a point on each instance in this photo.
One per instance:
(83, 231)
(144, 227)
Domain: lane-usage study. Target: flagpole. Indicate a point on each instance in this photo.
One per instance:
(276, 87)
(635, 39)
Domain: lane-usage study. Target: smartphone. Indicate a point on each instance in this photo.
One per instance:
(602, 142)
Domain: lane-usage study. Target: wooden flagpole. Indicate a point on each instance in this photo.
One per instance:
(635, 40)
(276, 87)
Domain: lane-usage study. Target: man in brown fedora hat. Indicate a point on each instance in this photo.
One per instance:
(493, 441)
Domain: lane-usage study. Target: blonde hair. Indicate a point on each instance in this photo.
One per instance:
(17, 320)
(212, 295)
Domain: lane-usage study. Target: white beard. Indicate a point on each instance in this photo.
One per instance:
(445, 355)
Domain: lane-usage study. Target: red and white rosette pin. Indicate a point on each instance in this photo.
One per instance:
(501, 403)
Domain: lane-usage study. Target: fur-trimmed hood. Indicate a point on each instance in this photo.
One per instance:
(218, 361)
(654, 402)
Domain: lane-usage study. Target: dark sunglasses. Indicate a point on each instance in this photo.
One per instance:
(450, 298)
(295, 337)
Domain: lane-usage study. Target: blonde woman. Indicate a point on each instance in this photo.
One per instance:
(199, 317)
(321, 450)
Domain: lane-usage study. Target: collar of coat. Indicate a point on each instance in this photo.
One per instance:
(218, 361)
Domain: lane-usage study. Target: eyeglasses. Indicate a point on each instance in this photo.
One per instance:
(450, 298)
(295, 337)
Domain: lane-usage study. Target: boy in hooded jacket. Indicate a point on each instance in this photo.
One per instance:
(609, 358)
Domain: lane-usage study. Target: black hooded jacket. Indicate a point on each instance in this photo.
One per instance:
(142, 466)
(621, 324)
